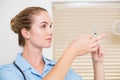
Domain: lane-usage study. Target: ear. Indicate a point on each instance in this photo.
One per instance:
(25, 33)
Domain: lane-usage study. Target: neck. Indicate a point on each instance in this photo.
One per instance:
(33, 56)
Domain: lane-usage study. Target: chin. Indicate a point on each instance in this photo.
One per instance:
(47, 46)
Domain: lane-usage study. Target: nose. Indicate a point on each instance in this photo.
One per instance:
(50, 31)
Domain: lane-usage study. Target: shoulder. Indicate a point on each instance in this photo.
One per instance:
(71, 75)
(7, 72)
(6, 68)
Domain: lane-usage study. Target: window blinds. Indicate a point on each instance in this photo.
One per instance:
(74, 19)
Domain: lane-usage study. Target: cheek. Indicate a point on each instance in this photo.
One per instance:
(37, 36)
(36, 39)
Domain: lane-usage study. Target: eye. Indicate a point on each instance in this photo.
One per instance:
(43, 26)
(51, 26)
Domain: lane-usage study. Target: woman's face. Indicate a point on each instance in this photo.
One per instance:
(41, 32)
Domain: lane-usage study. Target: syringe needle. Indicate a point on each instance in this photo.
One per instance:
(95, 28)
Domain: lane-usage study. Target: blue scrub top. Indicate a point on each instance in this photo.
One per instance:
(10, 72)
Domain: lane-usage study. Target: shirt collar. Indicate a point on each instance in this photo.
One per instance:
(48, 61)
(24, 65)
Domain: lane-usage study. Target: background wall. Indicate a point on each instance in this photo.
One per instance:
(8, 40)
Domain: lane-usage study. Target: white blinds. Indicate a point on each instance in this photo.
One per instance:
(72, 20)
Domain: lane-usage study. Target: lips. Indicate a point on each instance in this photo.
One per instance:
(49, 39)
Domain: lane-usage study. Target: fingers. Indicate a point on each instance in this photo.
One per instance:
(101, 52)
(92, 41)
(94, 49)
(96, 39)
(87, 36)
(98, 51)
(102, 36)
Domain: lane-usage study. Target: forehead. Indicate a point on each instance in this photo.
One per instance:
(41, 17)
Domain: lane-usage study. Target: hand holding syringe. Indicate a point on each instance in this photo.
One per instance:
(99, 52)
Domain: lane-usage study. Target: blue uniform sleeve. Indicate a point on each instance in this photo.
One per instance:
(8, 74)
(71, 75)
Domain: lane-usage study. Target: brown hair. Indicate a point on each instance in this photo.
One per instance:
(24, 20)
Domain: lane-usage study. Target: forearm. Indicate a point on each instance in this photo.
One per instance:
(98, 70)
(59, 71)
(78, 47)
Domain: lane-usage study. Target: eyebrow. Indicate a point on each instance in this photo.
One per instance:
(45, 22)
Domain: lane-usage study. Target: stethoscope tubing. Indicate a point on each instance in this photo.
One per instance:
(19, 70)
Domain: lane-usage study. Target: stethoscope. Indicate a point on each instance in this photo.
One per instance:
(19, 70)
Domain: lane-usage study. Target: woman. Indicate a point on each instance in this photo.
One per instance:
(33, 26)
